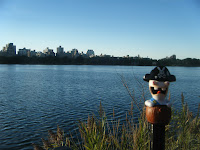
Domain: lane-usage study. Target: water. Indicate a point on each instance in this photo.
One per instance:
(36, 98)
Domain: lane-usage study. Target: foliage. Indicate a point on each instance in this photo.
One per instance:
(100, 134)
(126, 61)
(183, 131)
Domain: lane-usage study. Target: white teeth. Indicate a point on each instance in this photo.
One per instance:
(163, 89)
(155, 88)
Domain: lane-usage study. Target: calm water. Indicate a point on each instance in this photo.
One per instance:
(36, 98)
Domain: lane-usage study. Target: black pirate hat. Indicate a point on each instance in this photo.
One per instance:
(160, 73)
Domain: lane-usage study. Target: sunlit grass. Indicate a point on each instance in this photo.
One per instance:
(97, 133)
(103, 133)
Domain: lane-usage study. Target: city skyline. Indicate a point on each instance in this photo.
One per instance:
(155, 29)
(11, 50)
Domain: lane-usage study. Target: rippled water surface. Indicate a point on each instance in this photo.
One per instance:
(36, 98)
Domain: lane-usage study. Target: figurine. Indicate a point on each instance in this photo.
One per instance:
(158, 108)
(159, 79)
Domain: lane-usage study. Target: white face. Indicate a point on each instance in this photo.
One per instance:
(158, 89)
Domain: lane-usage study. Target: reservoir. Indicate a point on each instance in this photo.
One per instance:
(37, 98)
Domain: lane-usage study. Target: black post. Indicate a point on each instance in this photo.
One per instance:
(158, 137)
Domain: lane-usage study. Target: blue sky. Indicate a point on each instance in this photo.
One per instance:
(153, 28)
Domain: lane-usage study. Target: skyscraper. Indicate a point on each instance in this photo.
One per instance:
(90, 53)
(49, 52)
(9, 50)
(60, 52)
(24, 52)
(74, 53)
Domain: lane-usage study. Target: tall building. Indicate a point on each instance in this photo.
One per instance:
(40, 54)
(74, 53)
(60, 52)
(49, 52)
(24, 52)
(90, 53)
(9, 50)
(32, 53)
(173, 57)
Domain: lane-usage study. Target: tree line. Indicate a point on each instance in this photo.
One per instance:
(99, 61)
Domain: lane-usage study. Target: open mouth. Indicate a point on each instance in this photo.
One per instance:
(155, 90)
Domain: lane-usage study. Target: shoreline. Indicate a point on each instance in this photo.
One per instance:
(105, 61)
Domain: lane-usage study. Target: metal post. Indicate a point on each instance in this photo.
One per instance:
(158, 137)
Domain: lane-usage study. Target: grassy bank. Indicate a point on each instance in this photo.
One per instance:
(102, 133)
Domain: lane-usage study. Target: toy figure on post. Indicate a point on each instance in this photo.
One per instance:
(158, 108)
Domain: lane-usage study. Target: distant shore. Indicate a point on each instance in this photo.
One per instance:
(121, 61)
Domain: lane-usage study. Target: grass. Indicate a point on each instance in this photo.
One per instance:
(184, 129)
(102, 133)
(97, 133)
